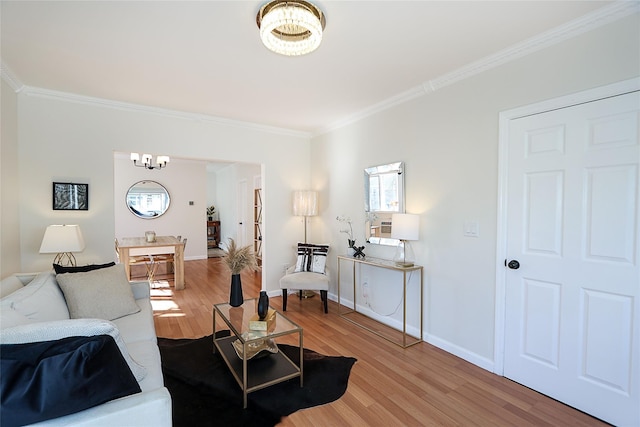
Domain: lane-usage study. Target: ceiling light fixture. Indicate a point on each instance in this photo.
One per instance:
(147, 161)
(291, 27)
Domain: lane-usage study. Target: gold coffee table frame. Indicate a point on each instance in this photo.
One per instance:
(259, 372)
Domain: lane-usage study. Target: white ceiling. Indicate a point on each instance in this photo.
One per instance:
(206, 57)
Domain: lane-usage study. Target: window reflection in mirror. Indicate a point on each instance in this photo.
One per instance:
(384, 195)
(148, 199)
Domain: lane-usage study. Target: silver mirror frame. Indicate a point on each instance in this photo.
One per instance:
(153, 189)
(378, 220)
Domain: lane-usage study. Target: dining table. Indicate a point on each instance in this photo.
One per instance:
(162, 245)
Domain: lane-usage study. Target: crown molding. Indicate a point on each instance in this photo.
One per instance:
(131, 107)
(586, 23)
(7, 75)
(401, 98)
(591, 21)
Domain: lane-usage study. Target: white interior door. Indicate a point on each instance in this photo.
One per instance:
(572, 286)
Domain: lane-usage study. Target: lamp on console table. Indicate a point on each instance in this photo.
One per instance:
(62, 240)
(404, 227)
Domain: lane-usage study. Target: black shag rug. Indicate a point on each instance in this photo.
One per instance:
(205, 393)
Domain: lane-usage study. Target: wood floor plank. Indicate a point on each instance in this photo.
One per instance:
(389, 386)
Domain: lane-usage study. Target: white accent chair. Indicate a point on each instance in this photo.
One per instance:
(304, 280)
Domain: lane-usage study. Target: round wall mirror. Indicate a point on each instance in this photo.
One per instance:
(148, 199)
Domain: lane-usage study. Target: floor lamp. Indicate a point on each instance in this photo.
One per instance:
(63, 240)
(305, 204)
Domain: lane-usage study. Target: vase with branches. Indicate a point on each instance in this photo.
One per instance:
(237, 259)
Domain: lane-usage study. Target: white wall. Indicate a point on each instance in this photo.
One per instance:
(449, 141)
(186, 181)
(70, 138)
(9, 191)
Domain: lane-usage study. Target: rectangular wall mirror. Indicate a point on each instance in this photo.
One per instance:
(384, 196)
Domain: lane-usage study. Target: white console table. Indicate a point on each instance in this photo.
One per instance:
(390, 265)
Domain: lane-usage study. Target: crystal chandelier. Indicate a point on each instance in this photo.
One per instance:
(290, 27)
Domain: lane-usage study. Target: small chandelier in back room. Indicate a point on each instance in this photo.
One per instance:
(147, 161)
(291, 28)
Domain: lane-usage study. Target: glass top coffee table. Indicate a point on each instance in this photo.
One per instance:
(252, 356)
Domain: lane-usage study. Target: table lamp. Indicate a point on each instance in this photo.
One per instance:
(63, 240)
(404, 227)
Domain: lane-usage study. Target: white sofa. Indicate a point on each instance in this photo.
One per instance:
(37, 302)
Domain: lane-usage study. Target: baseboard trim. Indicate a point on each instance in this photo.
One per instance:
(462, 353)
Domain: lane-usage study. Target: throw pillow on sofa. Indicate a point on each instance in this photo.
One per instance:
(48, 331)
(103, 294)
(51, 379)
(9, 317)
(40, 301)
(10, 284)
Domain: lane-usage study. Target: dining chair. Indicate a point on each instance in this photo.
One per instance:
(167, 259)
(147, 260)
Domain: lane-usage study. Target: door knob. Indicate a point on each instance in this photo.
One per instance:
(513, 264)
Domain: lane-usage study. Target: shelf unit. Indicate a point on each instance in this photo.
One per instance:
(257, 224)
(213, 234)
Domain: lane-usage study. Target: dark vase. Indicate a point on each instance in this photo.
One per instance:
(263, 305)
(235, 299)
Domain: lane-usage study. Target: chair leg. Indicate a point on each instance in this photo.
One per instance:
(300, 295)
(284, 299)
(323, 296)
(151, 270)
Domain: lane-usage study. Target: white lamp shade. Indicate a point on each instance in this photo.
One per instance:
(62, 238)
(405, 226)
(305, 203)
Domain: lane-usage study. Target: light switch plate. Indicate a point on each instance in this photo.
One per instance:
(471, 228)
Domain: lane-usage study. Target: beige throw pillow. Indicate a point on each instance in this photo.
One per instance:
(101, 294)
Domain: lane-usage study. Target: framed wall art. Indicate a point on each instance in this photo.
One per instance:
(68, 196)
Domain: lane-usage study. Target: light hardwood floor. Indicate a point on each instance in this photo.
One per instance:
(389, 386)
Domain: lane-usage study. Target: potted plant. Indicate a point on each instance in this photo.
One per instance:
(348, 231)
(237, 259)
(211, 210)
